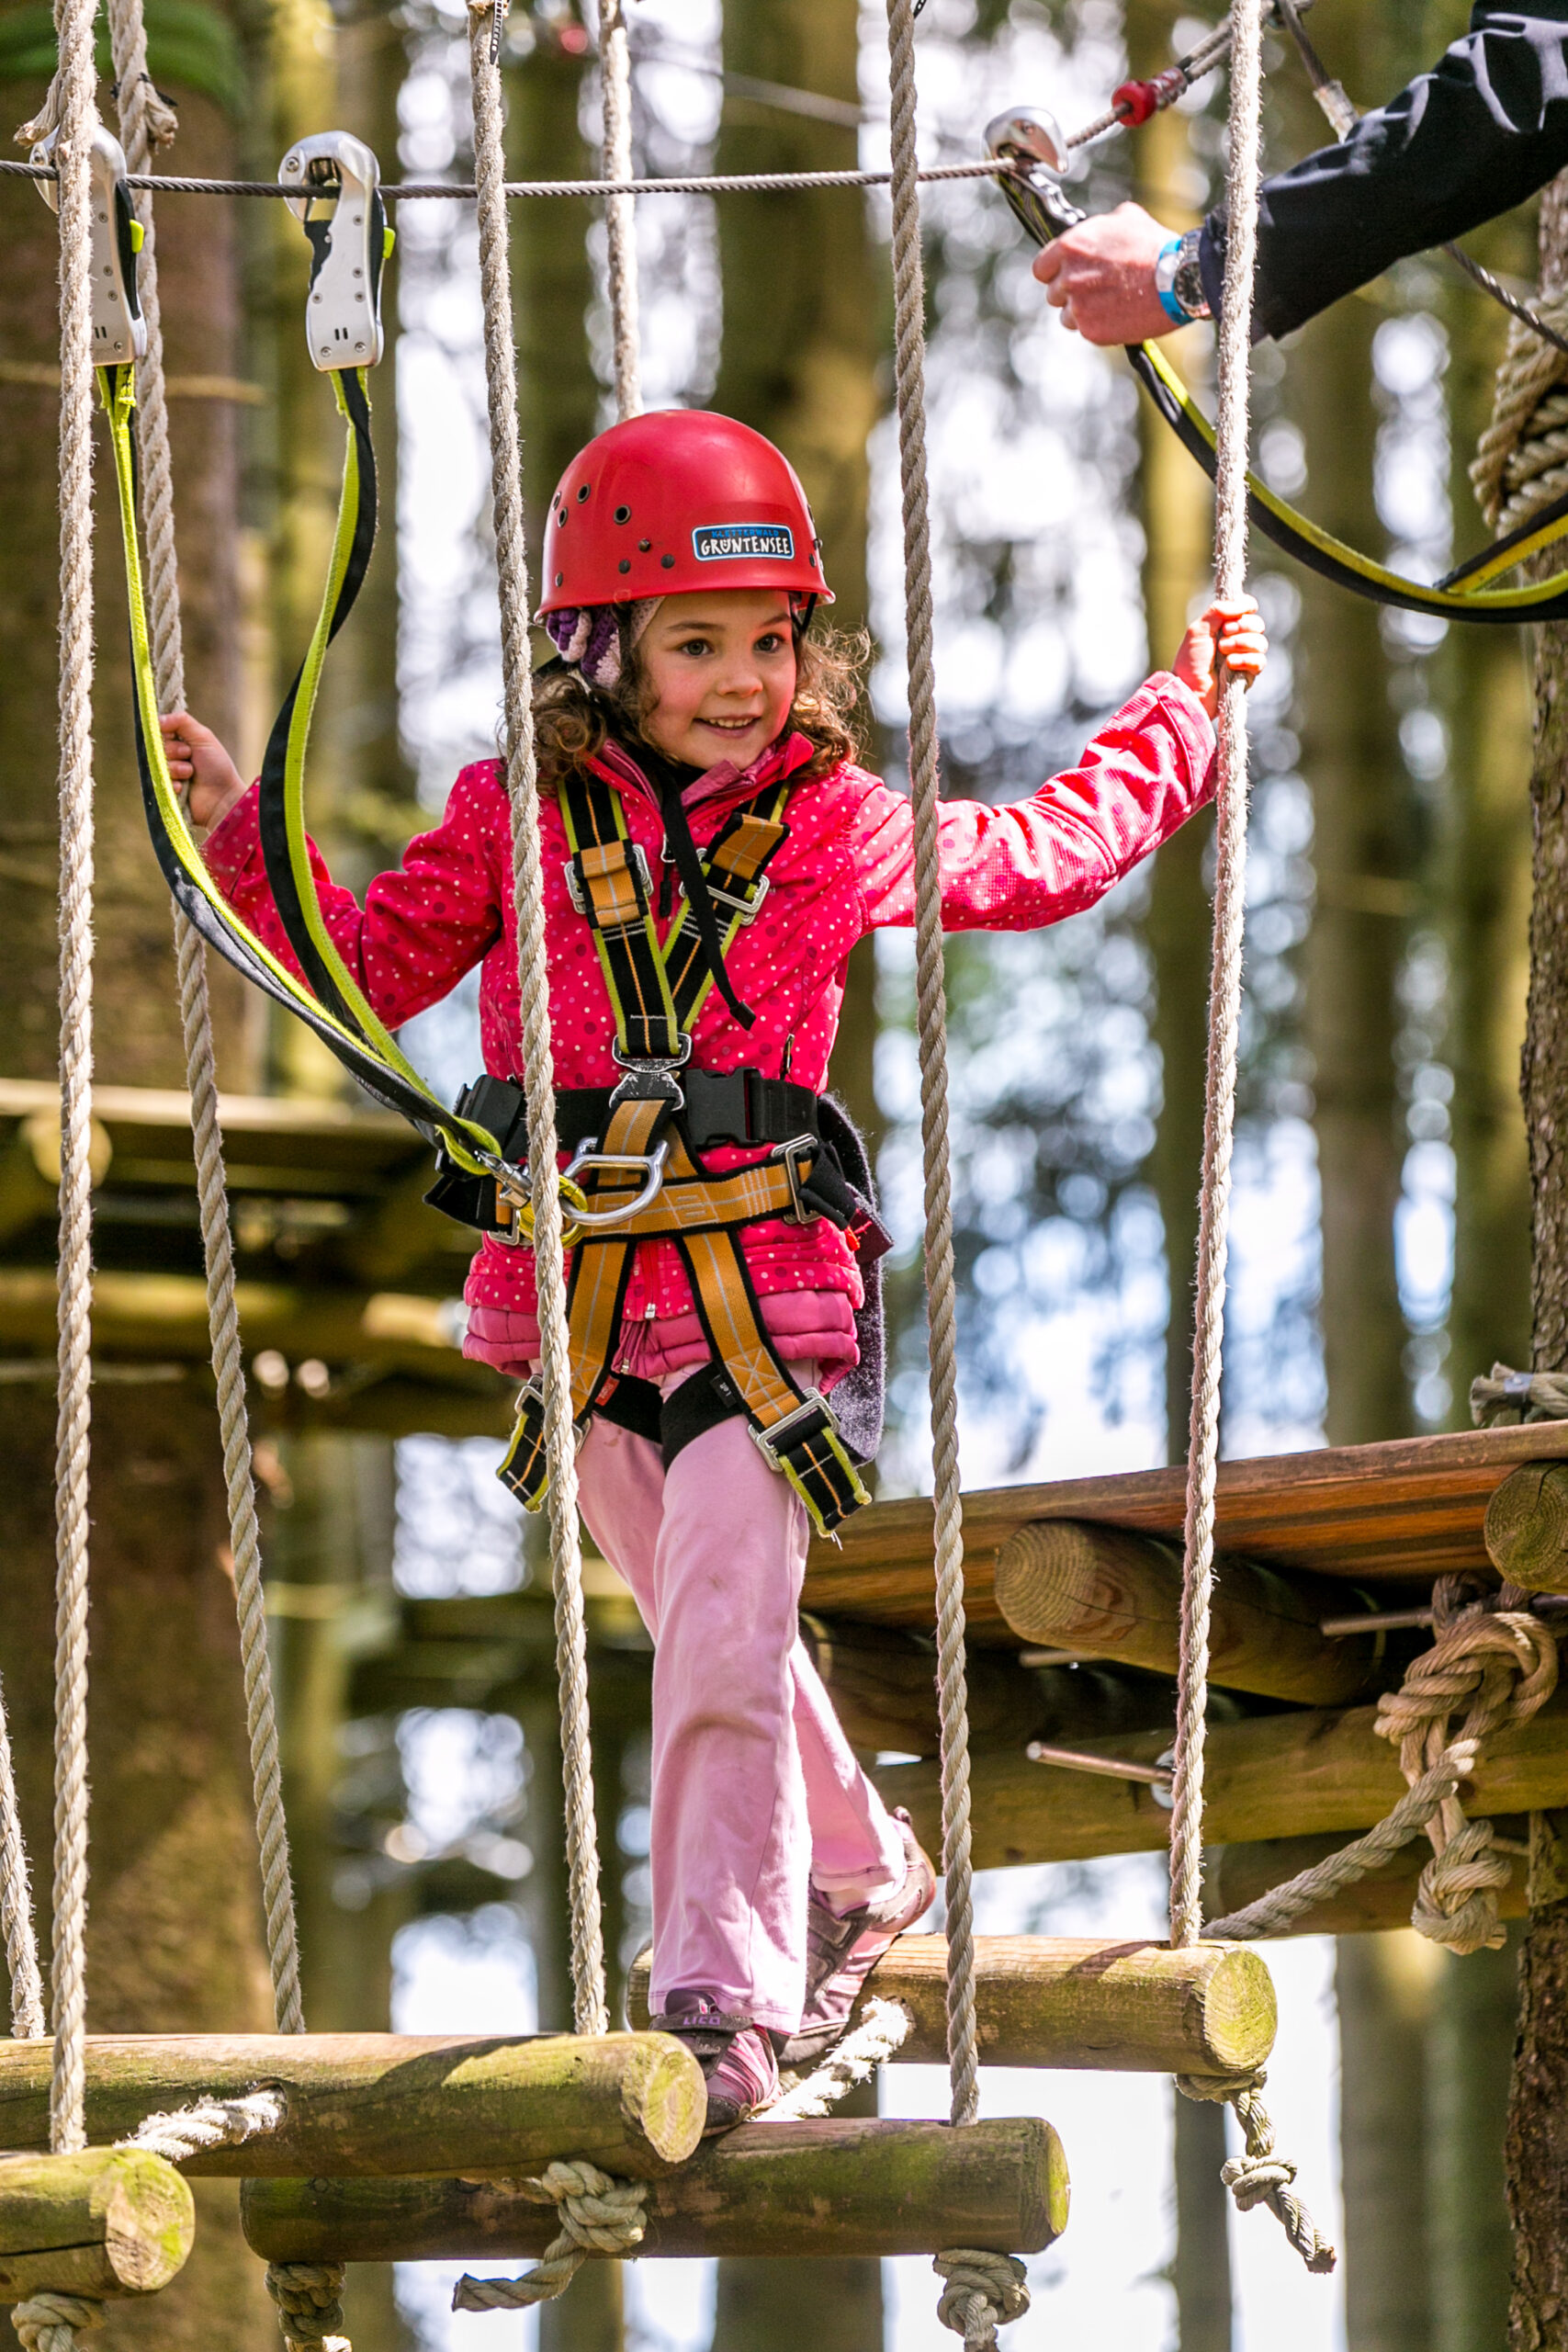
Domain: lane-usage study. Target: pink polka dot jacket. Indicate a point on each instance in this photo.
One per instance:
(847, 869)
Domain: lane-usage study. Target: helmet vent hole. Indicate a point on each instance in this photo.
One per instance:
(623, 513)
(668, 562)
(582, 493)
(625, 564)
(560, 579)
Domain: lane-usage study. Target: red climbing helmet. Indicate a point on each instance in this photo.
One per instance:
(674, 502)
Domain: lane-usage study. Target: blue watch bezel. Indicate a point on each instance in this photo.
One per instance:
(1174, 311)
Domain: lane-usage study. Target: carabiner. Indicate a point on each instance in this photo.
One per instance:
(338, 201)
(119, 331)
(1031, 140)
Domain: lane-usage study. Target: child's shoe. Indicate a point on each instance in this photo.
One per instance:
(841, 1951)
(735, 2056)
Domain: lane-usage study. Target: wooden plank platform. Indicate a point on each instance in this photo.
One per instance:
(1410, 1509)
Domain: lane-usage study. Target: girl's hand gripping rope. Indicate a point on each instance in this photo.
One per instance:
(1231, 632)
(201, 768)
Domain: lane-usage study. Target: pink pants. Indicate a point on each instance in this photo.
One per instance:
(755, 1788)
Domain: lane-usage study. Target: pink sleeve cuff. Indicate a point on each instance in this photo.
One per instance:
(230, 848)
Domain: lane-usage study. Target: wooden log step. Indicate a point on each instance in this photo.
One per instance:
(1077, 2001)
(1270, 1776)
(1412, 1509)
(1234, 1876)
(108, 2222)
(1527, 1526)
(1069, 1584)
(358, 2103)
(832, 2187)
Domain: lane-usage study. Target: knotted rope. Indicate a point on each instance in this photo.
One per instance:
(1260, 2176)
(620, 212)
(590, 2007)
(52, 2322)
(16, 1905)
(598, 2215)
(73, 88)
(1274, 1912)
(1263, 2176)
(139, 129)
(1496, 1666)
(979, 2310)
(1521, 459)
(310, 2310)
(981, 2293)
(1505, 1398)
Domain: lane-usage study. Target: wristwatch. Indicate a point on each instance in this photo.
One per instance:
(1178, 280)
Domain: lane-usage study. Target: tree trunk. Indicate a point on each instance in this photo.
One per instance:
(1537, 2117)
(1384, 1987)
(1470, 2043)
(175, 1920)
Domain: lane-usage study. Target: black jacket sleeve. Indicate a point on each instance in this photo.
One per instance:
(1477, 135)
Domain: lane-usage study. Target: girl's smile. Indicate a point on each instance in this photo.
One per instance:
(721, 674)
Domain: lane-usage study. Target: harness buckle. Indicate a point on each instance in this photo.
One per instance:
(788, 1156)
(533, 1393)
(651, 1078)
(576, 890)
(814, 1417)
(587, 1155)
(745, 910)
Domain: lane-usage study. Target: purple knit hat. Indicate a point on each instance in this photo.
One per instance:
(588, 636)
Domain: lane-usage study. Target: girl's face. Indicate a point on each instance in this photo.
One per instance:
(720, 668)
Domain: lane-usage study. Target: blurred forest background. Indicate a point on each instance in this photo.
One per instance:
(1382, 1221)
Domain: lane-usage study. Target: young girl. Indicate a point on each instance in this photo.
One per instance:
(683, 570)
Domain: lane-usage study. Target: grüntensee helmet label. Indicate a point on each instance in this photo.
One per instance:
(719, 542)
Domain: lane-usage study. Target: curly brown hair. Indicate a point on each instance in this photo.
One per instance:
(572, 718)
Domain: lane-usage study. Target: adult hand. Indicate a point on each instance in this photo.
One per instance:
(1101, 276)
(1231, 632)
(199, 763)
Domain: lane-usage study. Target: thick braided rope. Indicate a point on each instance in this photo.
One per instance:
(140, 128)
(188, 2131)
(16, 1904)
(75, 79)
(1499, 1666)
(310, 2307)
(1225, 989)
(883, 2028)
(1261, 2175)
(52, 2322)
(590, 2011)
(952, 1698)
(1521, 461)
(981, 2292)
(598, 2215)
(620, 211)
(1275, 1912)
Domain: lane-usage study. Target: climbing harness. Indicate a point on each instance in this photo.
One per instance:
(642, 1175)
(1029, 139)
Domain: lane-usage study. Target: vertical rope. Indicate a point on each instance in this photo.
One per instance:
(590, 2006)
(16, 1905)
(1224, 987)
(910, 344)
(140, 127)
(75, 79)
(620, 211)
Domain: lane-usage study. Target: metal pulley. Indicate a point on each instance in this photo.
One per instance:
(119, 331)
(1031, 140)
(333, 183)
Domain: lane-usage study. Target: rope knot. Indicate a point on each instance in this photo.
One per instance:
(981, 2293)
(1521, 459)
(1261, 2175)
(1498, 1667)
(309, 2309)
(598, 2215)
(52, 2322)
(1254, 2180)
